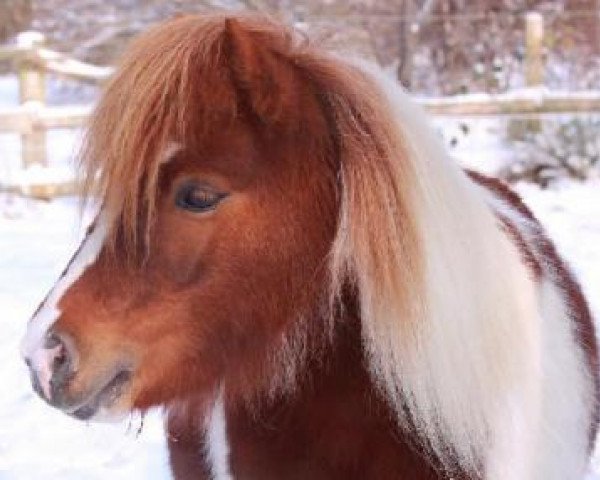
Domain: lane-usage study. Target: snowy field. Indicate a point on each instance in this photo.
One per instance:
(37, 442)
(36, 240)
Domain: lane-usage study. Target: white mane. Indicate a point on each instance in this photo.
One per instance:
(463, 364)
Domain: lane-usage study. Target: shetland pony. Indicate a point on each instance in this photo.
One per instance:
(288, 261)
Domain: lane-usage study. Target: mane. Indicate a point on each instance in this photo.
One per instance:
(414, 241)
(450, 358)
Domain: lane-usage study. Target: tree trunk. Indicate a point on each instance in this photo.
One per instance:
(15, 16)
(407, 42)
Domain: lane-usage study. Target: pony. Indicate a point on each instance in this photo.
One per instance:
(286, 259)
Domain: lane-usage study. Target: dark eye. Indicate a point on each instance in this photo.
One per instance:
(197, 197)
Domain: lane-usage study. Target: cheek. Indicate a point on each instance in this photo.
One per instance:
(188, 248)
(181, 247)
(255, 247)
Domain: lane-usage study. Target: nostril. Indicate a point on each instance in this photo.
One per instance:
(61, 361)
(61, 358)
(53, 340)
(52, 366)
(58, 356)
(63, 349)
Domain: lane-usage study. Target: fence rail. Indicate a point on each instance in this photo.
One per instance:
(33, 118)
(526, 101)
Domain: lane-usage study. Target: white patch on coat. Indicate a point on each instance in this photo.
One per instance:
(171, 150)
(567, 393)
(216, 444)
(560, 441)
(33, 344)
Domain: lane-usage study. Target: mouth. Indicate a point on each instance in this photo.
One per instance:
(105, 398)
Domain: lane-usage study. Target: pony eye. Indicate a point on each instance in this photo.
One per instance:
(197, 197)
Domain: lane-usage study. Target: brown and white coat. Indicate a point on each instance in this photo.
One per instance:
(356, 306)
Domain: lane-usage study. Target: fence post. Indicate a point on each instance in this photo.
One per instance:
(32, 91)
(534, 65)
(518, 128)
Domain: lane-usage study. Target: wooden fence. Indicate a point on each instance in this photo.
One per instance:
(33, 118)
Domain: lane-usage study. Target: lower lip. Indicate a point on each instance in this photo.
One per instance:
(105, 398)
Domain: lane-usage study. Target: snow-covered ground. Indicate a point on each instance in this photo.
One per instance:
(37, 442)
(36, 240)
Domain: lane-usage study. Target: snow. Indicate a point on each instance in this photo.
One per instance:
(476, 143)
(9, 91)
(59, 63)
(536, 95)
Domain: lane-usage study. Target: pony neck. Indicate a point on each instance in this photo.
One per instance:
(333, 424)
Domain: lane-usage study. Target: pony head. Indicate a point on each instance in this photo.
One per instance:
(244, 178)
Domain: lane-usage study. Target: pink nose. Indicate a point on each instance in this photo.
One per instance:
(51, 367)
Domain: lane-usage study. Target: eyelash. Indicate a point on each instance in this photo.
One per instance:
(197, 198)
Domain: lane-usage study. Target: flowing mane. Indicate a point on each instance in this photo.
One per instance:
(416, 244)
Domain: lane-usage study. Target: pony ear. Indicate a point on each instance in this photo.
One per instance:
(267, 85)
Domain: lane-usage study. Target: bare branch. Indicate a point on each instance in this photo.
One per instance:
(422, 15)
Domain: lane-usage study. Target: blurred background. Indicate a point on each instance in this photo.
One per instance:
(513, 87)
(541, 57)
